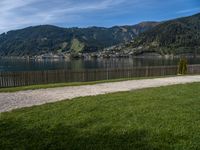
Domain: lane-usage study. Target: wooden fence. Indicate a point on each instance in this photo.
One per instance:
(15, 79)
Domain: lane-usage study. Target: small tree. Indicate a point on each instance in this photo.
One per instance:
(182, 69)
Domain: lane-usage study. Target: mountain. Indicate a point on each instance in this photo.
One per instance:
(174, 37)
(46, 38)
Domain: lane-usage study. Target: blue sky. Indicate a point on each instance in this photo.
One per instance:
(15, 14)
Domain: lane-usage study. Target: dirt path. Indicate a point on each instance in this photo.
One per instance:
(10, 101)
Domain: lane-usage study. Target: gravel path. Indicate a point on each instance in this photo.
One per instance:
(10, 101)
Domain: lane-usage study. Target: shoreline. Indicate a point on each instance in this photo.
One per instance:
(86, 56)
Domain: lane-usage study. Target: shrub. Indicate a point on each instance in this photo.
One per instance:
(182, 69)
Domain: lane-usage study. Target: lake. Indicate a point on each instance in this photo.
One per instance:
(80, 64)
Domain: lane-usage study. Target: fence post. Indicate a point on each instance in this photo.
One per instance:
(147, 71)
(107, 75)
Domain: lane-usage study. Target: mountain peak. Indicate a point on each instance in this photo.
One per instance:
(178, 36)
(36, 40)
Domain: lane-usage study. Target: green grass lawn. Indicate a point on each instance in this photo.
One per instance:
(157, 118)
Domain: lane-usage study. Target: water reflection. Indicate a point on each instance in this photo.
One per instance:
(80, 64)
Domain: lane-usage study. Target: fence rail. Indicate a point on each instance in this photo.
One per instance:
(15, 79)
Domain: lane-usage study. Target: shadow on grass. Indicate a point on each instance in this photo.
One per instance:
(15, 135)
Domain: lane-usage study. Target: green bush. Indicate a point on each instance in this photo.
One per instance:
(182, 69)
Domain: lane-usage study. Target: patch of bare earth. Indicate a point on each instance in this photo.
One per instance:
(10, 101)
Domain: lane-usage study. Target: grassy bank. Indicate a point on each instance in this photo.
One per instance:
(45, 86)
(157, 118)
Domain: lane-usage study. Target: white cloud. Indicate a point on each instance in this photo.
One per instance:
(15, 14)
(21, 13)
(189, 10)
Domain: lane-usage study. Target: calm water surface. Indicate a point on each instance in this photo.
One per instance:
(80, 64)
